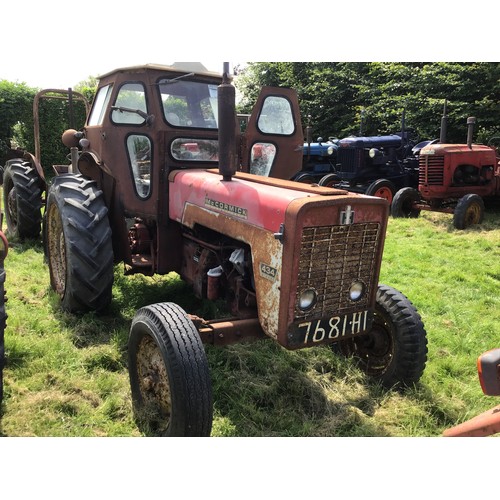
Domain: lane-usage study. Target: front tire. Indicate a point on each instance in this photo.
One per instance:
(22, 198)
(169, 375)
(469, 211)
(78, 244)
(394, 352)
(403, 203)
(382, 188)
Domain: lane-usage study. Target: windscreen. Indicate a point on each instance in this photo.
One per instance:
(189, 104)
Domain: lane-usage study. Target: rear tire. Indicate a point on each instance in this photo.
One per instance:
(403, 203)
(169, 375)
(394, 352)
(22, 198)
(469, 211)
(78, 244)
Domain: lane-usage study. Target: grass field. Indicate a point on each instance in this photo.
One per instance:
(67, 375)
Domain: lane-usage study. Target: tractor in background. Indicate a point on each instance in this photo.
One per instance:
(456, 179)
(375, 166)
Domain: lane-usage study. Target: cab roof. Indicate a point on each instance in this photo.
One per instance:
(178, 67)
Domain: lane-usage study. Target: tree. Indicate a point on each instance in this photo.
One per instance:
(340, 97)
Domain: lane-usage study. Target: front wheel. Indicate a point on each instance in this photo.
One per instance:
(394, 352)
(382, 188)
(169, 375)
(403, 203)
(329, 180)
(469, 211)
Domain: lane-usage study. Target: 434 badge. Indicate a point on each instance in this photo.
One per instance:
(268, 272)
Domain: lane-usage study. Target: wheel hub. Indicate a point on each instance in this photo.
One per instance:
(154, 383)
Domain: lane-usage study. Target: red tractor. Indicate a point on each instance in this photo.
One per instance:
(163, 180)
(487, 423)
(453, 178)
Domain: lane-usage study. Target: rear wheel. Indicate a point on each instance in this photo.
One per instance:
(22, 197)
(394, 352)
(403, 203)
(169, 375)
(469, 211)
(382, 188)
(78, 244)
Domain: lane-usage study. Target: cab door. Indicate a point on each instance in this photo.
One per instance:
(273, 141)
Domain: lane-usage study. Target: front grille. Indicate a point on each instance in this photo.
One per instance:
(431, 170)
(331, 259)
(348, 162)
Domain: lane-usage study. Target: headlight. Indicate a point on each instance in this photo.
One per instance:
(357, 290)
(307, 299)
(330, 150)
(372, 153)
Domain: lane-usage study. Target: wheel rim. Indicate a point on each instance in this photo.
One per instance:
(57, 250)
(473, 214)
(11, 211)
(375, 350)
(385, 193)
(154, 384)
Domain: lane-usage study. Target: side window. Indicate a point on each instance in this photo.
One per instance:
(100, 104)
(139, 153)
(276, 116)
(130, 105)
(261, 158)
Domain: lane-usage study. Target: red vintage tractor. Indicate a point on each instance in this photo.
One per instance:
(453, 178)
(163, 180)
(487, 423)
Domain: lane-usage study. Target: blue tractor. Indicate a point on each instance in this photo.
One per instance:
(376, 165)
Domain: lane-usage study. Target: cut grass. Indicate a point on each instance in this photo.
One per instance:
(67, 375)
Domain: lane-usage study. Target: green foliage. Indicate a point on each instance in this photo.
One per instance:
(16, 107)
(17, 124)
(336, 95)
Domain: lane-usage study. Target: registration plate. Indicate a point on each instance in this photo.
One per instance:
(326, 330)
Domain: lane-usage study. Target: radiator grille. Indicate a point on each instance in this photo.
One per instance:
(331, 259)
(431, 170)
(349, 161)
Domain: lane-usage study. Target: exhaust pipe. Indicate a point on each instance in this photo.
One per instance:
(444, 125)
(226, 96)
(471, 121)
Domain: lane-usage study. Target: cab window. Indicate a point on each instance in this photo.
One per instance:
(130, 105)
(139, 154)
(276, 116)
(261, 158)
(101, 102)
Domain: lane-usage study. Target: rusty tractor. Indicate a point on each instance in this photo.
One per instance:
(488, 422)
(163, 180)
(453, 178)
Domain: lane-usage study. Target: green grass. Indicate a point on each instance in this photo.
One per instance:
(67, 375)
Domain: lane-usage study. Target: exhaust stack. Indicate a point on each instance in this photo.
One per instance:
(226, 95)
(471, 121)
(444, 125)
